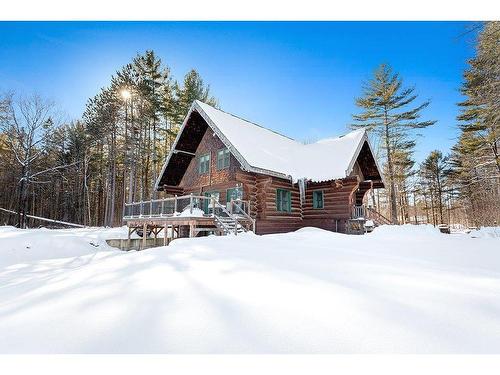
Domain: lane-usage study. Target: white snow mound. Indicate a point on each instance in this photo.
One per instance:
(400, 289)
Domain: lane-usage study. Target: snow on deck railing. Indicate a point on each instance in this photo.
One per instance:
(161, 207)
(167, 207)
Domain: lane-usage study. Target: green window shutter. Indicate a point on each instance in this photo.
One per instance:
(318, 199)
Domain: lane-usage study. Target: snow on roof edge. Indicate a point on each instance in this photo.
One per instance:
(277, 154)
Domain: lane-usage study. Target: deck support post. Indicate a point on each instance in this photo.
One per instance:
(144, 235)
(191, 230)
(165, 235)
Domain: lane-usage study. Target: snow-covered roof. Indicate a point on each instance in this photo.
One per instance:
(264, 151)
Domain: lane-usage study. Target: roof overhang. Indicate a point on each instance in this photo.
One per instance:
(364, 139)
(195, 107)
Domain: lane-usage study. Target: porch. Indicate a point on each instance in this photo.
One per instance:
(360, 215)
(186, 216)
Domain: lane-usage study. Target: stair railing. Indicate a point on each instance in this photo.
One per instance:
(245, 214)
(377, 216)
(219, 222)
(223, 209)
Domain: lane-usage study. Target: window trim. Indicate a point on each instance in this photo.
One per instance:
(322, 199)
(289, 208)
(199, 163)
(223, 158)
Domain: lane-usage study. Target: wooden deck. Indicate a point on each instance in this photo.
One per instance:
(179, 217)
(173, 227)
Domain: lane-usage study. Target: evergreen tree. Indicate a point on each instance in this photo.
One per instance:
(481, 110)
(435, 171)
(154, 85)
(193, 88)
(386, 112)
(80, 172)
(476, 155)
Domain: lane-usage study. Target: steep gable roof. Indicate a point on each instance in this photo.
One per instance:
(264, 151)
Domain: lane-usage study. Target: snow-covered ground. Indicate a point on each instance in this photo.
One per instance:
(397, 290)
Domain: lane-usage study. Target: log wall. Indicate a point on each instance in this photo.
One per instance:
(338, 200)
(260, 190)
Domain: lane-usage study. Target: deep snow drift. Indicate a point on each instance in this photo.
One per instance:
(396, 290)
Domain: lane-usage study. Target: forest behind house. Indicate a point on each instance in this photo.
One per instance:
(84, 171)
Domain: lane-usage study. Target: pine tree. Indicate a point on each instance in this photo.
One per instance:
(435, 171)
(386, 112)
(403, 170)
(481, 110)
(193, 88)
(476, 156)
(154, 85)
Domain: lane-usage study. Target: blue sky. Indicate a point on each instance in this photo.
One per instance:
(299, 78)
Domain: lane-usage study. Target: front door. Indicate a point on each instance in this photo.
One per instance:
(207, 203)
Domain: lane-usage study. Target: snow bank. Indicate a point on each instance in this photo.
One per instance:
(22, 246)
(196, 212)
(486, 232)
(398, 290)
(408, 230)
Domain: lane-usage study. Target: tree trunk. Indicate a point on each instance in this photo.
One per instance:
(21, 220)
(392, 190)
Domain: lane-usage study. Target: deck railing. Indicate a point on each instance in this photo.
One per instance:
(364, 212)
(186, 204)
(161, 207)
(358, 212)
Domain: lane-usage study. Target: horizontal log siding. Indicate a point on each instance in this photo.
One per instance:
(271, 220)
(249, 184)
(194, 181)
(260, 191)
(338, 198)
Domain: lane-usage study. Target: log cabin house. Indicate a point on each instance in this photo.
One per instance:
(225, 174)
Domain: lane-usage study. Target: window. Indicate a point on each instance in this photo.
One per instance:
(318, 199)
(283, 202)
(234, 193)
(223, 159)
(204, 164)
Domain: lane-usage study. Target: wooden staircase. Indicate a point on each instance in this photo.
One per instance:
(228, 225)
(377, 217)
(234, 221)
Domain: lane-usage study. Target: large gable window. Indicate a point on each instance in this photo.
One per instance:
(204, 163)
(283, 202)
(318, 199)
(223, 159)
